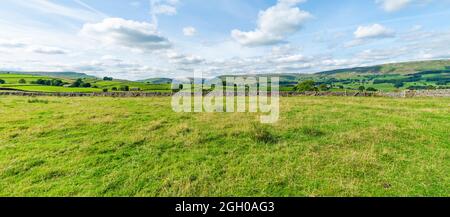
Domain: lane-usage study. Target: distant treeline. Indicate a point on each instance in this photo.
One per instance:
(414, 78)
(440, 80)
(52, 82)
(429, 72)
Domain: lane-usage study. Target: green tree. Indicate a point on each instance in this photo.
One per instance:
(58, 82)
(308, 85)
(77, 83)
(2, 81)
(371, 89)
(323, 87)
(361, 88)
(22, 81)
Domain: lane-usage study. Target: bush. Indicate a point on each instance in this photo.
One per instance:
(105, 90)
(86, 85)
(371, 89)
(361, 88)
(2, 81)
(114, 89)
(124, 88)
(80, 83)
(431, 87)
(22, 81)
(399, 84)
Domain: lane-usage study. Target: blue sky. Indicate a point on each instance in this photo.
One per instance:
(174, 38)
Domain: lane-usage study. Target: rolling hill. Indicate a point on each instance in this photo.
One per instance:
(70, 75)
(387, 77)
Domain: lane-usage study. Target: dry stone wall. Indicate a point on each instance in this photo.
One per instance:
(404, 94)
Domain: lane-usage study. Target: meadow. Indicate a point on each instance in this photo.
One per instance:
(322, 146)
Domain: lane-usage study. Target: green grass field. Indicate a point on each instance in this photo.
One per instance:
(138, 147)
(12, 83)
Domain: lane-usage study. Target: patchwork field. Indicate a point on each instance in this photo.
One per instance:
(327, 146)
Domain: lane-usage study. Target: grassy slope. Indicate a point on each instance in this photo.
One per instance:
(14, 78)
(139, 147)
(12, 81)
(68, 75)
(51, 89)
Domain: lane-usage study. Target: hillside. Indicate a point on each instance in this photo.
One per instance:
(157, 81)
(388, 77)
(70, 75)
(394, 68)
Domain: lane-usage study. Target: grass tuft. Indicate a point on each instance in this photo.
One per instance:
(262, 134)
(312, 132)
(38, 101)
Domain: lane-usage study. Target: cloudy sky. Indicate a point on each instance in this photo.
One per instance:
(137, 39)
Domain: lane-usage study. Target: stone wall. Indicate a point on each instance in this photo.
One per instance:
(432, 93)
(404, 94)
(108, 94)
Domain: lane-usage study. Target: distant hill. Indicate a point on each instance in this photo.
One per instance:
(70, 75)
(394, 68)
(157, 81)
(387, 77)
(405, 68)
(439, 68)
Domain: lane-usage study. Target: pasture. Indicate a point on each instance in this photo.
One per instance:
(322, 146)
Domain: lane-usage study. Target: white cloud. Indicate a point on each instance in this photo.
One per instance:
(291, 59)
(127, 33)
(189, 31)
(395, 5)
(12, 43)
(49, 7)
(135, 4)
(24, 45)
(373, 31)
(381, 54)
(46, 50)
(165, 7)
(90, 8)
(182, 59)
(274, 24)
